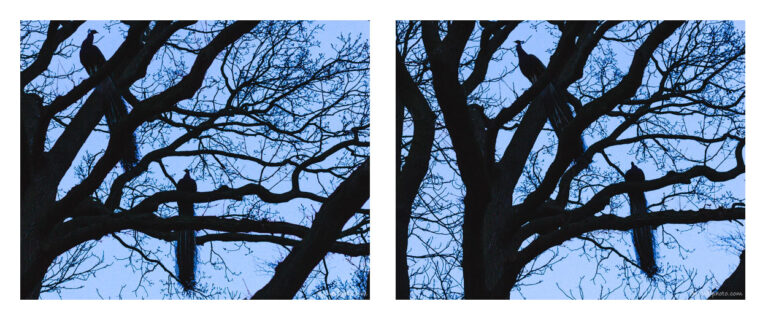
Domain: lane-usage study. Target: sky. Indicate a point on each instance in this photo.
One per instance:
(567, 274)
(114, 282)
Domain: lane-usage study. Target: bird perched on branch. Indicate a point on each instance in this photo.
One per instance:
(114, 107)
(186, 247)
(642, 237)
(558, 113)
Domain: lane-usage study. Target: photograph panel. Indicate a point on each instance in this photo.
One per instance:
(194, 159)
(570, 159)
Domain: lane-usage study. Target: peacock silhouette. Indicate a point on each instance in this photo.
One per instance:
(186, 248)
(114, 107)
(642, 237)
(558, 113)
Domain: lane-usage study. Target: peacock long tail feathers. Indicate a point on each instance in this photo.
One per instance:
(186, 249)
(560, 115)
(642, 237)
(185, 259)
(114, 111)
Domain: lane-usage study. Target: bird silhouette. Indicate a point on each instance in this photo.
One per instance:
(642, 237)
(186, 247)
(114, 107)
(558, 113)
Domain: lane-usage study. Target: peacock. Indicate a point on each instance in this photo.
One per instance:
(186, 248)
(114, 107)
(558, 113)
(642, 237)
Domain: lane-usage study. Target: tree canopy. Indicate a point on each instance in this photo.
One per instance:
(270, 117)
(492, 203)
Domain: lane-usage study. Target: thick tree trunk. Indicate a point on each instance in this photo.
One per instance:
(35, 203)
(410, 174)
(485, 247)
(472, 246)
(402, 214)
(402, 281)
(37, 196)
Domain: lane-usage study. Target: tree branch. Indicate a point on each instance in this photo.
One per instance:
(291, 273)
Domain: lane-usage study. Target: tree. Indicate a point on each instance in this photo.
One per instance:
(490, 201)
(270, 118)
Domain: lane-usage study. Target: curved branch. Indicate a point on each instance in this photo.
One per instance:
(491, 38)
(517, 260)
(291, 273)
(600, 200)
(345, 248)
(151, 203)
(410, 177)
(55, 36)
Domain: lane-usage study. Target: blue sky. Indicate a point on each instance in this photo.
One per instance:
(252, 270)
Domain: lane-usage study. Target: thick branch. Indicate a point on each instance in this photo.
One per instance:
(345, 248)
(54, 37)
(415, 167)
(151, 203)
(612, 222)
(492, 37)
(600, 200)
(291, 273)
(93, 221)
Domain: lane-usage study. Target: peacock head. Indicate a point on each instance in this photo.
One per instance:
(89, 37)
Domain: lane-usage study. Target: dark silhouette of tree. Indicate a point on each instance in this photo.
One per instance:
(490, 199)
(271, 122)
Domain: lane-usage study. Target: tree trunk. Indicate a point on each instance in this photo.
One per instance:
(472, 264)
(35, 203)
(410, 174)
(37, 196)
(402, 281)
(486, 241)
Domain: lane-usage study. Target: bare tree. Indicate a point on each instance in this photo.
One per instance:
(490, 199)
(271, 121)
